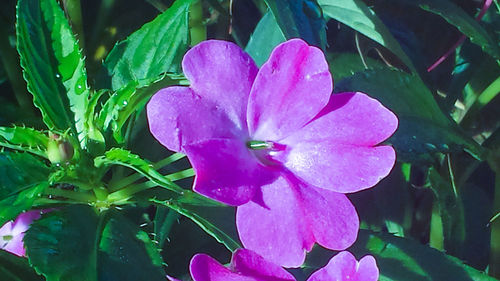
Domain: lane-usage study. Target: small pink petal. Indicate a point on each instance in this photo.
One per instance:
(227, 171)
(289, 90)
(344, 266)
(222, 72)
(277, 231)
(338, 167)
(24, 220)
(331, 217)
(249, 263)
(178, 116)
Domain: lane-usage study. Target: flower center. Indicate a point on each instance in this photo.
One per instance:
(259, 145)
(267, 152)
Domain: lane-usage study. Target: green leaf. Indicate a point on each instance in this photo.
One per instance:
(154, 49)
(53, 65)
(22, 178)
(357, 15)
(62, 244)
(405, 259)
(125, 102)
(266, 36)
(423, 128)
(14, 268)
(13, 205)
(118, 156)
(302, 19)
(457, 17)
(210, 228)
(343, 65)
(127, 253)
(77, 244)
(25, 139)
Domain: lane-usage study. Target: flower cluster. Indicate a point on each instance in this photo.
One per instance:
(276, 143)
(246, 265)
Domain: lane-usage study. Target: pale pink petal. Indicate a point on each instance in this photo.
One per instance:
(290, 89)
(331, 217)
(351, 119)
(178, 116)
(277, 231)
(6, 229)
(205, 268)
(227, 171)
(15, 245)
(367, 269)
(341, 267)
(340, 167)
(249, 263)
(223, 72)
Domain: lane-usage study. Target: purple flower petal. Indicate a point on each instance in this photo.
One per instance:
(222, 72)
(177, 117)
(245, 266)
(338, 167)
(227, 171)
(344, 266)
(289, 90)
(293, 218)
(337, 149)
(277, 231)
(12, 233)
(331, 217)
(249, 263)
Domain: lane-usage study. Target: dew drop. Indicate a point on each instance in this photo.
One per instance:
(58, 75)
(125, 102)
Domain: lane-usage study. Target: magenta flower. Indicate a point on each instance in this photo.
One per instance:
(249, 266)
(12, 233)
(277, 142)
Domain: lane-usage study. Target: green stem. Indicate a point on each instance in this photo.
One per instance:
(74, 11)
(119, 184)
(76, 196)
(126, 193)
(166, 226)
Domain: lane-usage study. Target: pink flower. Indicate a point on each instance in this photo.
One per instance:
(249, 266)
(12, 233)
(276, 143)
(344, 266)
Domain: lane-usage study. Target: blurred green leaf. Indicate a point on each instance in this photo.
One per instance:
(156, 48)
(405, 259)
(457, 17)
(75, 243)
(53, 65)
(62, 244)
(14, 268)
(122, 157)
(300, 19)
(25, 139)
(266, 36)
(126, 253)
(357, 15)
(423, 128)
(22, 178)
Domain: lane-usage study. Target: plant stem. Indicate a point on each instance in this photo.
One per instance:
(74, 11)
(136, 176)
(126, 193)
(83, 197)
